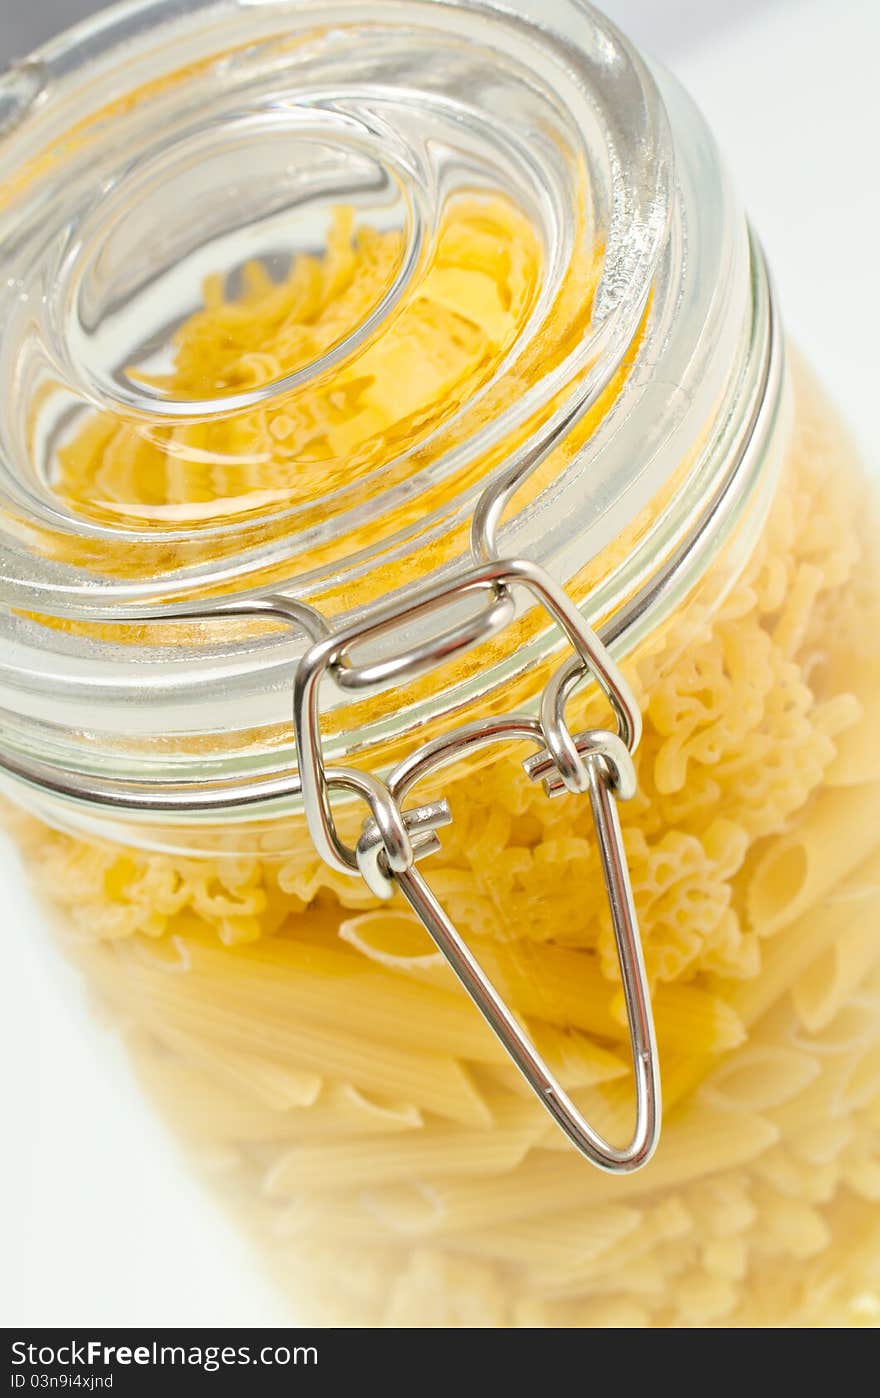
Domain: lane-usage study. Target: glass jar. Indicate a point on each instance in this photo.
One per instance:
(336, 341)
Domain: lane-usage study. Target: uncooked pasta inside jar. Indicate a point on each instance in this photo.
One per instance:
(434, 595)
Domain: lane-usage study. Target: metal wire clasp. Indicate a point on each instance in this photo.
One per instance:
(394, 839)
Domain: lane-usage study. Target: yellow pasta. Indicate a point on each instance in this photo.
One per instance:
(430, 1081)
(788, 955)
(839, 832)
(552, 983)
(762, 1075)
(698, 1142)
(361, 1117)
(442, 1151)
(554, 1243)
(319, 984)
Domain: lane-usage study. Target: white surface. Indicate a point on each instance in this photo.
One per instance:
(101, 1224)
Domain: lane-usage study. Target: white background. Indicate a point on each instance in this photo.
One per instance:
(101, 1224)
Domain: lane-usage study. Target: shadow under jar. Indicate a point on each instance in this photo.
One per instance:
(310, 309)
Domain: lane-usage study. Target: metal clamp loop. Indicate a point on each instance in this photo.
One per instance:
(425, 655)
(610, 773)
(565, 765)
(499, 578)
(597, 761)
(373, 859)
(593, 743)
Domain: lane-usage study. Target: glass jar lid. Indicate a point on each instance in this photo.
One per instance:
(229, 227)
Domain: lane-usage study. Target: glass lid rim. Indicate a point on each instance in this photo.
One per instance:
(227, 799)
(67, 590)
(618, 612)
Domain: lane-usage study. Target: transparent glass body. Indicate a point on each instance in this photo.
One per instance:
(287, 288)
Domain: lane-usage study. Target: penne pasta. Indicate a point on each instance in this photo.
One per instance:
(440, 1151)
(796, 873)
(786, 956)
(689, 1152)
(308, 1040)
(832, 981)
(436, 1084)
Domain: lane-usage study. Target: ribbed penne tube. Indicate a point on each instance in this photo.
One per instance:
(759, 1076)
(313, 982)
(816, 1106)
(451, 1290)
(204, 1103)
(838, 833)
(204, 1108)
(860, 1086)
(833, 979)
(318, 983)
(641, 1276)
(553, 1241)
(438, 1151)
(394, 939)
(436, 1084)
(441, 1085)
(273, 1085)
(609, 1102)
(853, 1028)
(620, 1262)
(554, 984)
(687, 1015)
(551, 983)
(341, 1218)
(788, 954)
(858, 751)
(343, 1110)
(697, 1142)
(572, 1056)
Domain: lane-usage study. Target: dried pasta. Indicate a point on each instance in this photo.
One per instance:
(368, 1126)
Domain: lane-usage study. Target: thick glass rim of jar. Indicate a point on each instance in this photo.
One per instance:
(210, 795)
(621, 157)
